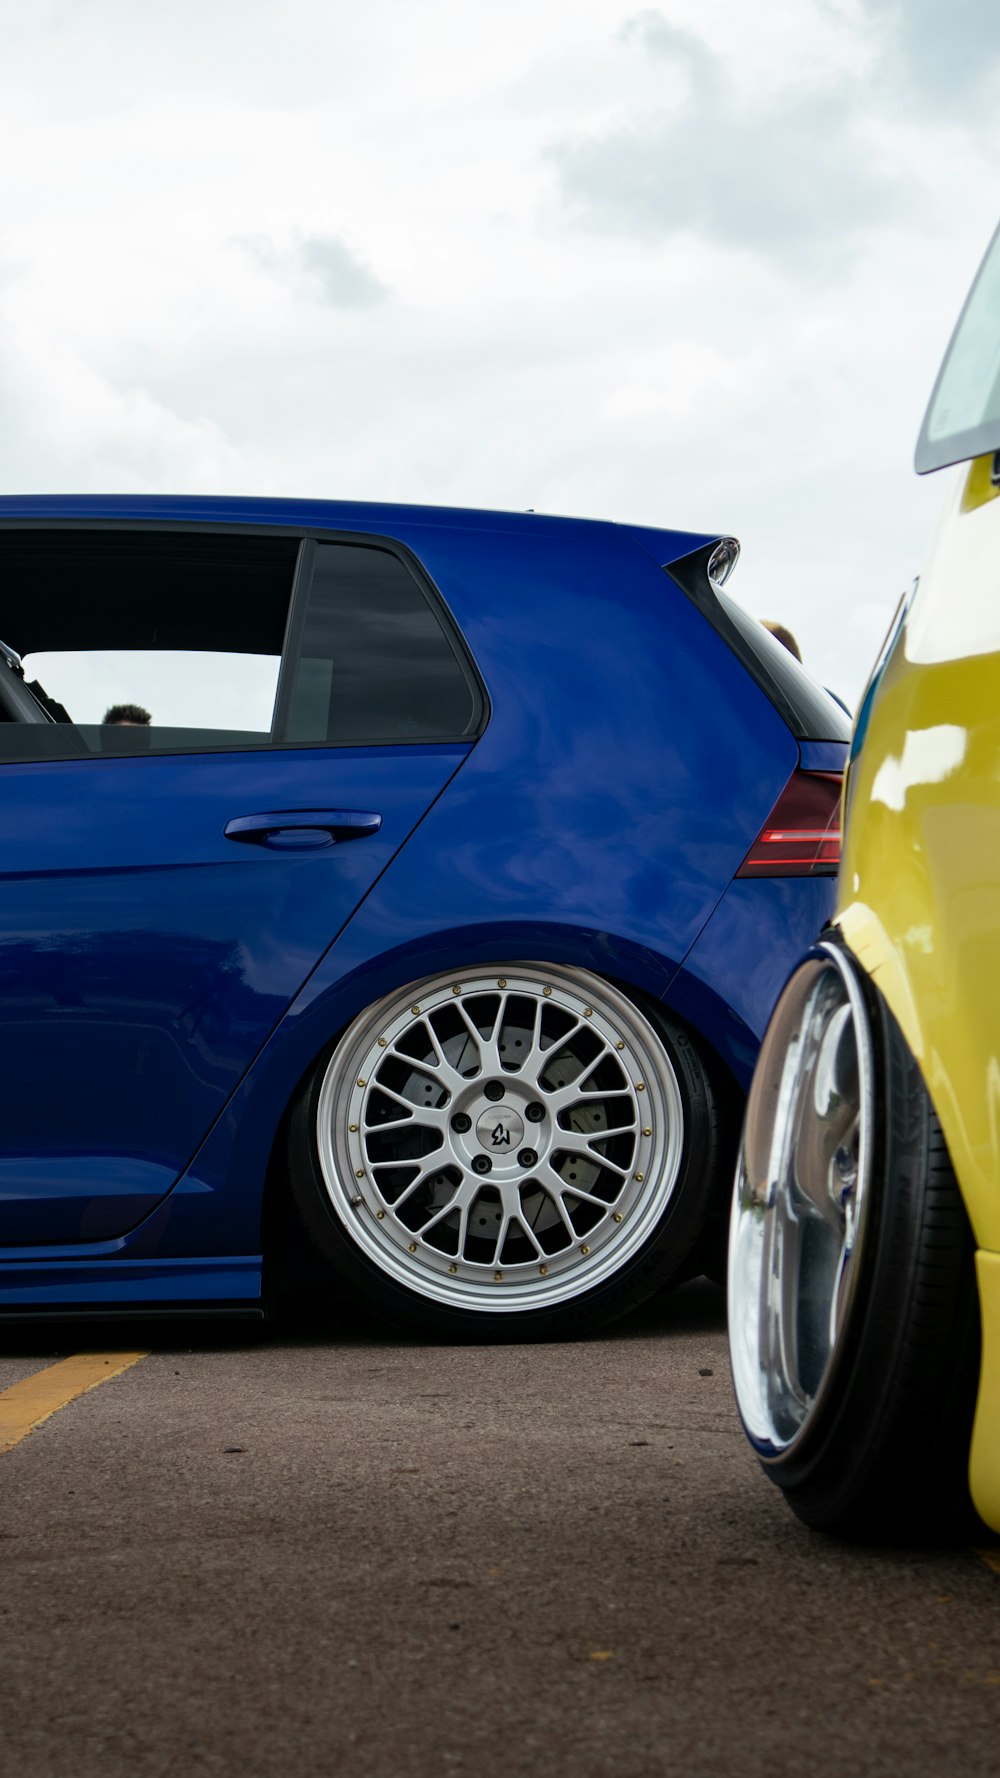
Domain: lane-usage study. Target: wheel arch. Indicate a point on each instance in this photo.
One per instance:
(224, 1201)
(320, 1019)
(880, 959)
(624, 966)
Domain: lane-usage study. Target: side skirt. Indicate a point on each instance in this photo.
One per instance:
(227, 1285)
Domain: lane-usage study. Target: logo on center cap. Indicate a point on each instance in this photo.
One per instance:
(499, 1129)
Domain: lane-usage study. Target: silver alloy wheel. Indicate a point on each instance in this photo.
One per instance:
(799, 1209)
(502, 1140)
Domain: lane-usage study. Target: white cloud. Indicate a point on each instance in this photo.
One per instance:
(945, 57)
(720, 306)
(320, 266)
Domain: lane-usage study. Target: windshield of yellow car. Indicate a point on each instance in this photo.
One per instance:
(963, 416)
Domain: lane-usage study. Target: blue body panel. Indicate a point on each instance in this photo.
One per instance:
(135, 991)
(329, 515)
(823, 756)
(743, 958)
(163, 990)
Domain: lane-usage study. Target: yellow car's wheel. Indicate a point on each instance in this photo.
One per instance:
(852, 1301)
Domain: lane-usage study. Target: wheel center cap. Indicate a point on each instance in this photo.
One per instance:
(499, 1130)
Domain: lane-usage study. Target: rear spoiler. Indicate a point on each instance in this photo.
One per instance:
(809, 711)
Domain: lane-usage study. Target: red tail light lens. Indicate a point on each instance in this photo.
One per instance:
(801, 836)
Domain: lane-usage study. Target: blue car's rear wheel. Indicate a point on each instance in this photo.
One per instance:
(509, 1150)
(853, 1317)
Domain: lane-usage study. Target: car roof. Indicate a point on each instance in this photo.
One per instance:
(665, 544)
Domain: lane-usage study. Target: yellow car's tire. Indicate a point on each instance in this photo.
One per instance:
(856, 1376)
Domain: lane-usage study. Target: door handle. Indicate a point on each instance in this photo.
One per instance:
(302, 830)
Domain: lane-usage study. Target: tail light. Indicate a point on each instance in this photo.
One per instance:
(801, 836)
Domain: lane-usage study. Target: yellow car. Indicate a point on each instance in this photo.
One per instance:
(864, 1255)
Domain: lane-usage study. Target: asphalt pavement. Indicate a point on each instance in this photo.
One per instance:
(328, 1550)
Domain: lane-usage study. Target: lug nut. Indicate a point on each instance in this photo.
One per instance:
(460, 1123)
(527, 1157)
(534, 1112)
(494, 1089)
(482, 1164)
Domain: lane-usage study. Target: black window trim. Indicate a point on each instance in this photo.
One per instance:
(309, 538)
(16, 700)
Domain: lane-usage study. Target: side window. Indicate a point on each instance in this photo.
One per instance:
(373, 659)
(185, 628)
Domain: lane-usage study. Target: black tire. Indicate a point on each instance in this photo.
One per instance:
(709, 1254)
(367, 1268)
(886, 1456)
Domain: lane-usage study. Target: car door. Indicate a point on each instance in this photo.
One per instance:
(166, 887)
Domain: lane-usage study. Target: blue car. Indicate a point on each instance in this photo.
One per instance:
(390, 895)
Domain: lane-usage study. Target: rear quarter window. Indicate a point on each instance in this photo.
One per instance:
(372, 658)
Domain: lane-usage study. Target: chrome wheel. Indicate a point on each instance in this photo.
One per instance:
(500, 1141)
(799, 1211)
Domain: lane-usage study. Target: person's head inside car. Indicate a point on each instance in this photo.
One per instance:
(127, 716)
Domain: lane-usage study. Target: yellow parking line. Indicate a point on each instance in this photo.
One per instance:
(26, 1404)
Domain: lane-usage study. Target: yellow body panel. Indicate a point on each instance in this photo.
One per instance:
(984, 1456)
(919, 893)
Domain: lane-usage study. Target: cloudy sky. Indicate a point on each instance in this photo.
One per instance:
(687, 264)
